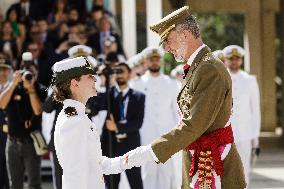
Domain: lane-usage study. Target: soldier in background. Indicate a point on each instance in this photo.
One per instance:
(161, 115)
(246, 106)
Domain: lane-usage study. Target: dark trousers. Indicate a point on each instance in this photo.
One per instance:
(21, 157)
(57, 170)
(133, 177)
(119, 149)
(4, 181)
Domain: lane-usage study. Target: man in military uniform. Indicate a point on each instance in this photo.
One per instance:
(210, 157)
(246, 110)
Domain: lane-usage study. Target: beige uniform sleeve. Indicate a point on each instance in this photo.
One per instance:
(200, 108)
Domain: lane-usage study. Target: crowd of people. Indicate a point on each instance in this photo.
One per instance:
(136, 102)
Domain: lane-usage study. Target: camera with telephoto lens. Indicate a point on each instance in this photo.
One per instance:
(107, 65)
(27, 59)
(107, 70)
(27, 75)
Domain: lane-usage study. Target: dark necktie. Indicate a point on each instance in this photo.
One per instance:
(121, 100)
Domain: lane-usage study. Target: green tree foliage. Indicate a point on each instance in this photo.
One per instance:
(219, 30)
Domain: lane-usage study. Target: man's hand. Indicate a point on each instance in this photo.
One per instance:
(137, 157)
(17, 78)
(29, 85)
(110, 124)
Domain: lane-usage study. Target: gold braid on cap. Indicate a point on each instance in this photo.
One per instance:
(80, 52)
(235, 52)
(166, 32)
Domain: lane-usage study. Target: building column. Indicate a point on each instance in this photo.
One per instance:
(129, 27)
(252, 38)
(268, 69)
(154, 14)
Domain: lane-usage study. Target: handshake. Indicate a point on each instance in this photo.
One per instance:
(134, 158)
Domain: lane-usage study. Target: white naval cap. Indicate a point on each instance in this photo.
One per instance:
(135, 60)
(131, 61)
(84, 51)
(219, 54)
(80, 50)
(150, 52)
(233, 50)
(71, 68)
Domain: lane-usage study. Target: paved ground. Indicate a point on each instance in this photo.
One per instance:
(267, 174)
(269, 170)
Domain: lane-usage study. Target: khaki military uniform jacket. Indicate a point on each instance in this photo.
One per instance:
(205, 101)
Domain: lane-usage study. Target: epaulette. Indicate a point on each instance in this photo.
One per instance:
(207, 57)
(70, 111)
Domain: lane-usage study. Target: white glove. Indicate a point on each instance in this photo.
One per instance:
(112, 165)
(255, 143)
(137, 157)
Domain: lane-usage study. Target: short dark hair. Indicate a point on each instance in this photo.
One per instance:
(62, 90)
(125, 65)
(97, 8)
(112, 57)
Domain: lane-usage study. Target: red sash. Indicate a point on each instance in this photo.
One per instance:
(207, 154)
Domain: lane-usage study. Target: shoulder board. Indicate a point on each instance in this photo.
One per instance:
(70, 111)
(207, 57)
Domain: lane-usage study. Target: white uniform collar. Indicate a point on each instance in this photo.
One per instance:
(80, 107)
(149, 75)
(192, 57)
(234, 75)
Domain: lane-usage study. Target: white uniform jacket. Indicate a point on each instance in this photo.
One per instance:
(78, 149)
(246, 107)
(161, 110)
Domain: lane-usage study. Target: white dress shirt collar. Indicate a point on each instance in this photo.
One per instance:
(124, 91)
(193, 56)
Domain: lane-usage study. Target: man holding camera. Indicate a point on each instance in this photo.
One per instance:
(126, 118)
(22, 101)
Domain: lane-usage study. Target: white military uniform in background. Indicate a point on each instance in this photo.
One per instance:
(246, 110)
(246, 115)
(161, 115)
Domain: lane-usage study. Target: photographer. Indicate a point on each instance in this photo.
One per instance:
(22, 101)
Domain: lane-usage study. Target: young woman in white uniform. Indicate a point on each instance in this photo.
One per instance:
(76, 139)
